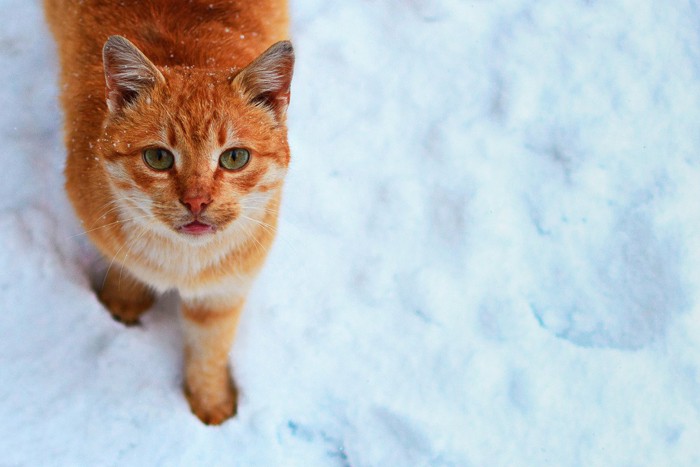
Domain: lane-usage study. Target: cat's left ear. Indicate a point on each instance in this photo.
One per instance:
(128, 72)
(266, 81)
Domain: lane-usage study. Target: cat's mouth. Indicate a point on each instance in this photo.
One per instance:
(197, 228)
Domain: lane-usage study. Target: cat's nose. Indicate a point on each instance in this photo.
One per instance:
(196, 204)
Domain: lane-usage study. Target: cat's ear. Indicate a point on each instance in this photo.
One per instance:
(267, 79)
(128, 72)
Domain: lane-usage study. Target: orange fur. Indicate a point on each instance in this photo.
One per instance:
(194, 78)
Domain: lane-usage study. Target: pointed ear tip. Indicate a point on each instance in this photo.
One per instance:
(285, 47)
(117, 42)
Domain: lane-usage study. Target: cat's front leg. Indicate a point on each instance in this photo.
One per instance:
(209, 327)
(125, 297)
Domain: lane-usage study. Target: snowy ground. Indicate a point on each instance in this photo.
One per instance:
(486, 258)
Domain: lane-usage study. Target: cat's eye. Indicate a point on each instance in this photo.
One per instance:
(158, 158)
(234, 159)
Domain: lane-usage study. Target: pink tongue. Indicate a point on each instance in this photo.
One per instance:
(196, 227)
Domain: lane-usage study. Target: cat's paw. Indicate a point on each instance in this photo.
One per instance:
(213, 409)
(126, 310)
(125, 297)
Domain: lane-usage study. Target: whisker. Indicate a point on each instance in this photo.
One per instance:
(112, 262)
(144, 229)
(110, 266)
(112, 201)
(120, 221)
(259, 245)
(262, 208)
(272, 230)
(261, 223)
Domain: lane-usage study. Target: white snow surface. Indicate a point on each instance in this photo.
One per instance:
(487, 253)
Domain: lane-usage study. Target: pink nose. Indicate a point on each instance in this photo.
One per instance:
(196, 204)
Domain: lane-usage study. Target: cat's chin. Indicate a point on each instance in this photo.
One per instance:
(197, 228)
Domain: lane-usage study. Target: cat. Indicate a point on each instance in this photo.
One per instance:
(175, 127)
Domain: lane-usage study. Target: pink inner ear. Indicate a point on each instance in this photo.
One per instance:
(268, 78)
(118, 97)
(284, 97)
(272, 100)
(128, 72)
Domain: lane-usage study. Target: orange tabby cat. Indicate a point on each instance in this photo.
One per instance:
(177, 151)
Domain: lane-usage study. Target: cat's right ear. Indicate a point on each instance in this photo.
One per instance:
(267, 79)
(128, 72)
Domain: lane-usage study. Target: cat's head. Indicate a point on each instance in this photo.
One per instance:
(189, 151)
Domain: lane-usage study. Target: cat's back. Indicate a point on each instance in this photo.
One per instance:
(202, 33)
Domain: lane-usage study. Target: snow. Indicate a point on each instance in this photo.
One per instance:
(486, 253)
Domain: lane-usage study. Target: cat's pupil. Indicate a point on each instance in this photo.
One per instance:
(158, 158)
(234, 159)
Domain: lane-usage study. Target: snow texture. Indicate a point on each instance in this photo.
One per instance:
(487, 253)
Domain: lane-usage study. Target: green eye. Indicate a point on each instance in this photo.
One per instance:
(234, 159)
(158, 158)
